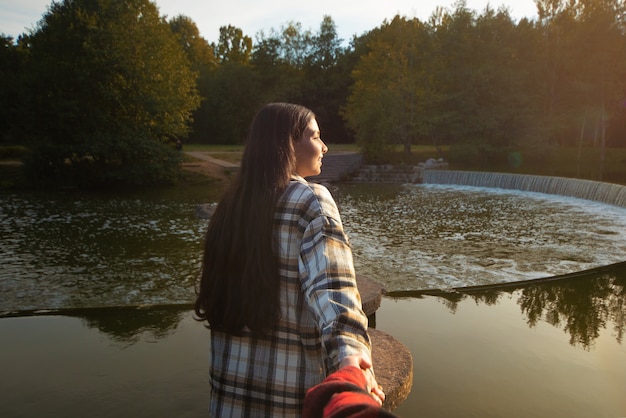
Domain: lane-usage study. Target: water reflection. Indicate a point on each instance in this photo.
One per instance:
(78, 251)
(582, 304)
(128, 326)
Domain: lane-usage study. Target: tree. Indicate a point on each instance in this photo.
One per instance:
(274, 74)
(200, 54)
(12, 59)
(557, 26)
(278, 60)
(326, 81)
(233, 46)
(326, 46)
(232, 103)
(483, 80)
(204, 62)
(601, 65)
(296, 44)
(391, 87)
(232, 89)
(109, 89)
(583, 81)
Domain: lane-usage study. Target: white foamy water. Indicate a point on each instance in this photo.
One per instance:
(432, 236)
(66, 251)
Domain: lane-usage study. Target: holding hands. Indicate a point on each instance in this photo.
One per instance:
(350, 392)
(365, 364)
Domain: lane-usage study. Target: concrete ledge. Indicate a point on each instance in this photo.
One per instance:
(393, 365)
(371, 294)
(393, 362)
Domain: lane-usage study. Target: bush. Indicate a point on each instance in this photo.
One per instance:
(130, 160)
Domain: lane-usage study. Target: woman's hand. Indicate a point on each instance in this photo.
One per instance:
(365, 364)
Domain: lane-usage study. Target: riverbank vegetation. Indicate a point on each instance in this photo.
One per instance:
(100, 92)
(567, 162)
(573, 162)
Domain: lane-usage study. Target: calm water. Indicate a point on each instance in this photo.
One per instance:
(547, 349)
(544, 350)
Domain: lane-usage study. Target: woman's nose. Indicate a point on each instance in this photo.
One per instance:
(324, 148)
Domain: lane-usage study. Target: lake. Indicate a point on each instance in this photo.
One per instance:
(76, 265)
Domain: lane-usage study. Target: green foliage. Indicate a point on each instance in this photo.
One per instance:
(488, 86)
(392, 87)
(232, 103)
(233, 45)
(200, 54)
(278, 64)
(204, 62)
(12, 59)
(326, 46)
(290, 45)
(326, 82)
(230, 91)
(584, 66)
(107, 90)
(479, 85)
(123, 159)
(459, 82)
(489, 103)
(290, 65)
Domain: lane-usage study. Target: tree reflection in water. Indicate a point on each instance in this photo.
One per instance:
(128, 325)
(582, 304)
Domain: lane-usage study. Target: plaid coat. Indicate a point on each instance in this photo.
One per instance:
(321, 316)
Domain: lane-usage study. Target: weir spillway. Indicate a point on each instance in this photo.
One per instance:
(609, 193)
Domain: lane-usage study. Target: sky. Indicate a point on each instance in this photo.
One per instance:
(351, 17)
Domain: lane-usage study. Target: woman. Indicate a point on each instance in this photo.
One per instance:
(278, 286)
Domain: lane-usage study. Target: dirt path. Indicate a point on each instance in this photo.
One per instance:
(208, 166)
(203, 165)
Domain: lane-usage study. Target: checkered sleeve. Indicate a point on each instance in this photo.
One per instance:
(329, 283)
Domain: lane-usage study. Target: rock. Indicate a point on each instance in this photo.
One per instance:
(205, 210)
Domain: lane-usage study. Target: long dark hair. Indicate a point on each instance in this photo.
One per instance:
(240, 278)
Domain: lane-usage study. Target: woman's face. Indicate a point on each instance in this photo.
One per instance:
(309, 150)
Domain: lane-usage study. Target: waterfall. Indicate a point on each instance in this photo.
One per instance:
(613, 194)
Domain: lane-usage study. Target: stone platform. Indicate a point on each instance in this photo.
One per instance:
(393, 362)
